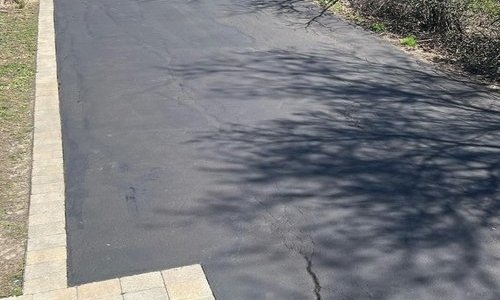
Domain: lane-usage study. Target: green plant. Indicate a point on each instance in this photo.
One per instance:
(489, 7)
(377, 27)
(409, 41)
(21, 3)
(338, 7)
(359, 19)
(17, 281)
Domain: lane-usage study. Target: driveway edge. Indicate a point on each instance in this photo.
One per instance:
(45, 275)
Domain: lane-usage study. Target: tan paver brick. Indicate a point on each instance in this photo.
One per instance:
(47, 242)
(49, 163)
(47, 188)
(47, 166)
(141, 282)
(46, 11)
(48, 154)
(47, 135)
(49, 100)
(46, 89)
(43, 269)
(24, 297)
(100, 289)
(45, 67)
(112, 297)
(47, 126)
(48, 111)
(53, 228)
(63, 294)
(44, 125)
(45, 255)
(47, 170)
(48, 207)
(52, 142)
(50, 282)
(47, 178)
(151, 294)
(46, 218)
(44, 114)
(186, 283)
(46, 79)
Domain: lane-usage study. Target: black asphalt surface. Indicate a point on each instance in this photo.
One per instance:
(291, 162)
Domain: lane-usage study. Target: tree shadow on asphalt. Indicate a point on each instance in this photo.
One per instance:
(302, 13)
(388, 180)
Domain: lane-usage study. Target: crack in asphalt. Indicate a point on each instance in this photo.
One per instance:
(295, 240)
(314, 277)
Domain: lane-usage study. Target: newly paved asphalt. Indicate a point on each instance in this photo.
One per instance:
(291, 162)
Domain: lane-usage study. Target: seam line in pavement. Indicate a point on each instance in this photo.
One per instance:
(45, 273)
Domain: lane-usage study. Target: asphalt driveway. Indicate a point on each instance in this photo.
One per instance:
(291, 162)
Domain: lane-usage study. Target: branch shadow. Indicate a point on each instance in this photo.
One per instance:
(385, 177)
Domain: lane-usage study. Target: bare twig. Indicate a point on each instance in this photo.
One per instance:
(326, 7)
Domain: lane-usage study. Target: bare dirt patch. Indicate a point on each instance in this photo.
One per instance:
(18, 31)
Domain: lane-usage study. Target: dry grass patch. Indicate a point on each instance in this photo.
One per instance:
(18, 31)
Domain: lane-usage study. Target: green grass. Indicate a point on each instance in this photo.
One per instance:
(337, 7)
(489, 7)
(18, 31)
(409, 41)
(377, 27)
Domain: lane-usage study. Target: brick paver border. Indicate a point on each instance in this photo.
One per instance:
(184, 283)
(45, 275)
